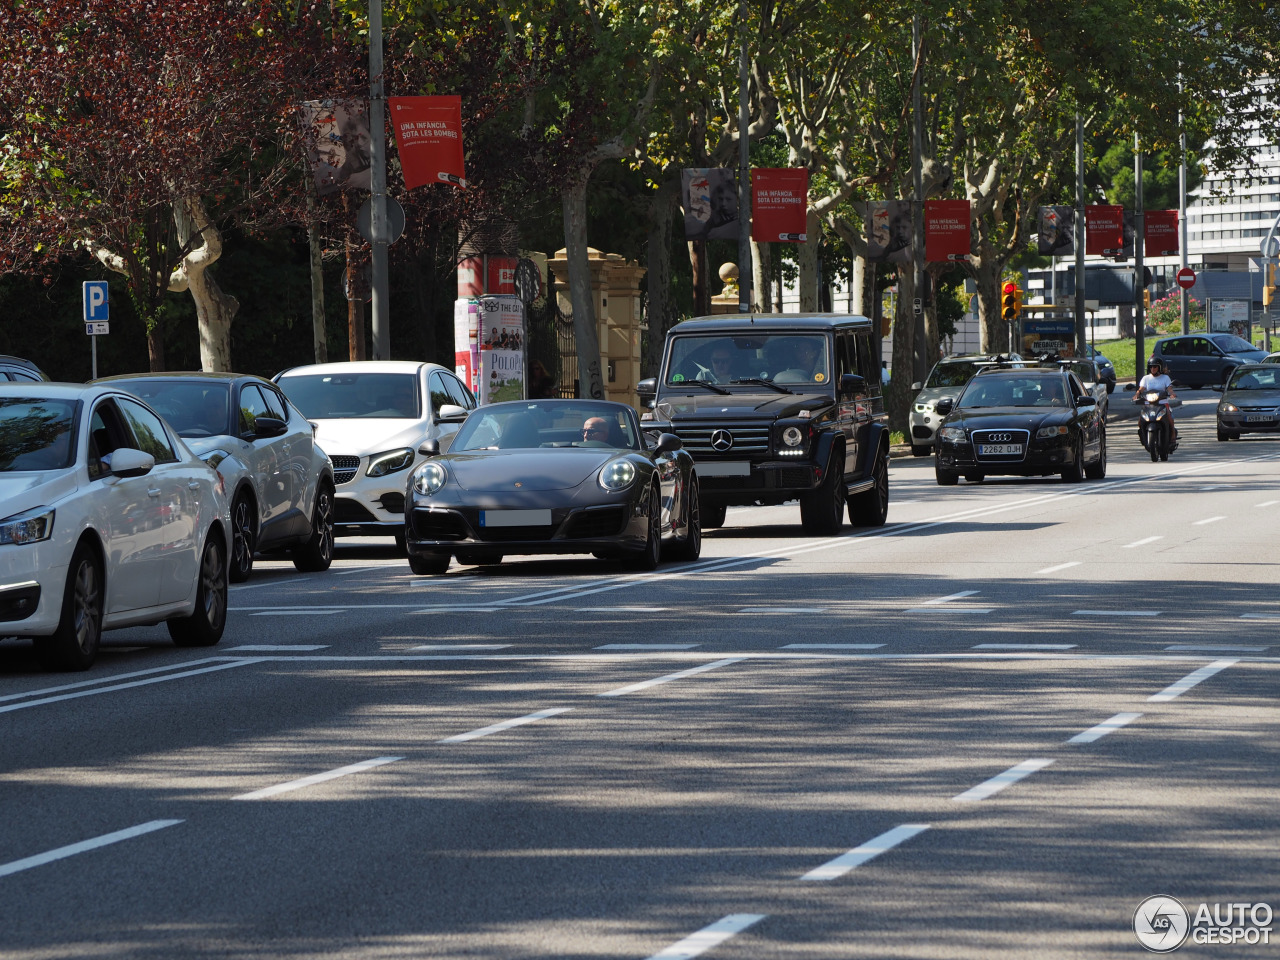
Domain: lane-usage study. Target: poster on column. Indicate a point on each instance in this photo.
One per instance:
(429, 137)
(946, 230)
(502, 349)
(1161, 233)
(779, 205)
(1104, 230)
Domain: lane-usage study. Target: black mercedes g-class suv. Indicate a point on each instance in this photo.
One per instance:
(778, 407)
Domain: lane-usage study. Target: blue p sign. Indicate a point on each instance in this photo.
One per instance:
(95, 300)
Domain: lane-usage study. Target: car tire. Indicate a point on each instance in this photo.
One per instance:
(648, 558)
(244, 538)
(1098, 469)
(822, 511)
(205, 625)
(921, 449)
(74, 645)
(1223, 435)
(477, 558)
(1075, 472)
(317, 553)
(946, 478)
(871, 507)
(713, 515)
(690, 548)
(429, 565)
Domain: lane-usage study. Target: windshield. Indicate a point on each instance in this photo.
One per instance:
(1255, 379)
(784, 358)
(952, 374)
(341, 396)
(548, 424)
(194, 408)
(36, 434)
(1024, 391)
(1231, 343)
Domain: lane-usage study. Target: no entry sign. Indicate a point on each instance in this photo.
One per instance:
(1186, 278)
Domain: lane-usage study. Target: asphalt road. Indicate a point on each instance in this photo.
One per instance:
(991, 728)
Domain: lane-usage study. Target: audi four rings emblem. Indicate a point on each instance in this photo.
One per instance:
(721, 440)
(999, 437)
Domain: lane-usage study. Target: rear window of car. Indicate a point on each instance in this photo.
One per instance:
(345, 396)
(36, 434)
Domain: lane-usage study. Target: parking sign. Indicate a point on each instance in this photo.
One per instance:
(95, 301)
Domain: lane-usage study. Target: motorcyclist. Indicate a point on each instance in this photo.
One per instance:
(1158, 380)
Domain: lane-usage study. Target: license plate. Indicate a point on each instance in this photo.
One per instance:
(999, 449)
(742, 469)
(1258, 418)
(515, 518)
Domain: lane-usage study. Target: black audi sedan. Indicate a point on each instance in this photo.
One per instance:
(1031, 422)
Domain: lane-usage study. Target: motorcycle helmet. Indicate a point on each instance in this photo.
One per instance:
(1157, 363)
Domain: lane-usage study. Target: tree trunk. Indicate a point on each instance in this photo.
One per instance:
(807, 259)
(573, 197)
(658, 276)
(761, 263)
(698, 266)
(898, 396)
(214, 309)
(319, 336)
(155, 348)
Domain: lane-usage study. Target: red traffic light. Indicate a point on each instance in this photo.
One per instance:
(1010, 286)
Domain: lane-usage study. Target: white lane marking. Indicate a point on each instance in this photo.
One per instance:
(286, 581)
(647, 646)
(1115, 613)
(462, 646)
(867, 851)
(1001, 780)
(646, 684)
(317, 778)
(1100, 730)
(16, 866)
(1260, 616)
(1269, 503)
(416, 607)
(1190, 680)
(455, 608)
(1219, 486)
(126, 686)
(108, 679)
(950, 609)
(1024, 646)
(283, 647)
(622, 609)
(1061, 566)
(831, 646)
(781, 610)
(301, 612)
(1201, 523)
(949, 597)
(506, 725)
(1216, 648)
(699, 943)
(1142, 543)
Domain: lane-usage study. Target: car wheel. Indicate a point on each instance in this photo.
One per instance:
(690, 548)
(1075, 472)
(713, 515)
(204, 627)
(822, 511)
(647, 559)
(1098, 470)
(945, 478)
(477, 558)
(1223, 435)
(429, 565)
(74, 645)
(244, 538)
(871, 507)
(921, 449)
(317, 553)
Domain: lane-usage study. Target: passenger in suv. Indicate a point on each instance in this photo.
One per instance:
(946, 380)
(778, 407)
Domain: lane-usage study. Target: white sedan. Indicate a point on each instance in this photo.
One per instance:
(106, 520)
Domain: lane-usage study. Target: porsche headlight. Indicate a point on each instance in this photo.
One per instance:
(380, 464)
(1045, 432)
(429, 478)
(954, 434)
(617, 474)
(29, 527)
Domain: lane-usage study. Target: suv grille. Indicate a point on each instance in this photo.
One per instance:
(747, 438)
(344, 468)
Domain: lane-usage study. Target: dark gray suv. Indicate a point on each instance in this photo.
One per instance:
(1205, 359)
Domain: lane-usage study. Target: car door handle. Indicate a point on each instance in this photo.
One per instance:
(153, 491)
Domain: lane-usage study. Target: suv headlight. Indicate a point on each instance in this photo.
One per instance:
(617, 474)
(381, 464)
(792, 439)
(29, 527)
(429, 478)
(954, 434)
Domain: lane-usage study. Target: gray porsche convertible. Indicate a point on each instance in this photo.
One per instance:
(552, 476)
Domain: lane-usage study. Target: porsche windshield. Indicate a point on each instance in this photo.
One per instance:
(36, 434)
(1027, 391)
(726, 360)
(549, 425)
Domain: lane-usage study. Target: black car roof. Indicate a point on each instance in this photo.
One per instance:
(185, 375)
(788, 322)
(1018, 371)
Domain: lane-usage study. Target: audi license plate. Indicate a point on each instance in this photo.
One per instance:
(515, 518)
(999, 449)
(1258, 418)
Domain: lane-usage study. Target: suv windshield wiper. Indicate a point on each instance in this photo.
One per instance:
(708, 384)
(762, 380)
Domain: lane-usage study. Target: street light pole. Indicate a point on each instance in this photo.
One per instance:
(378, 187)
(744, 171)
(1080, 285)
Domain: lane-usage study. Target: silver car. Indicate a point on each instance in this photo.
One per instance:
(946, 380)
(279, 480)
(1251, 401)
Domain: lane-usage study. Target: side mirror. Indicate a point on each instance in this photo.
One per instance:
(451, 413)
(944, 406)
(647, 390)
(128, 462)
(1086, 401)
(916, 387)
(268, 427)
(668, 443)
(852, 385)
(429, 448)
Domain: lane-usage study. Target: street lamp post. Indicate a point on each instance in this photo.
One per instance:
(378, 232)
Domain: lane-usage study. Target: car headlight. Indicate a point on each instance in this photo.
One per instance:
(29, 527)
(1045, 432)
(792, 436)
(429, 478)
(617, 474)
(954, 434)
(1225, 407)
(381, 464)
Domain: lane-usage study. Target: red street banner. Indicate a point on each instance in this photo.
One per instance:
(779, 205)
(1104, 229)
(1161, 229)
(429, 137)
(946, 230)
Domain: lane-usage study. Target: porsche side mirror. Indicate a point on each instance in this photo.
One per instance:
(944, 406)
(668, 443)
(429, 448)
(128, 462)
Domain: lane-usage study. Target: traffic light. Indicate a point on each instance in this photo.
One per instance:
(1146, 299)
(1010, 301)
(1268, 284)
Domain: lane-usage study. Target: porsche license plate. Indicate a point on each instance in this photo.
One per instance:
(1258, 418)
(999, 449)
(515, 518)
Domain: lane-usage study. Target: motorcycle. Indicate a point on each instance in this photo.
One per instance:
(1155, 425)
